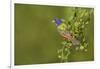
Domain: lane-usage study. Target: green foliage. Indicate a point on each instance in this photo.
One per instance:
(76, 25)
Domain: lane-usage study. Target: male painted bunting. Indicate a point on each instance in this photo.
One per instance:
(64, 32)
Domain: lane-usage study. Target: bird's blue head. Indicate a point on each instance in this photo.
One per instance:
(58, 21)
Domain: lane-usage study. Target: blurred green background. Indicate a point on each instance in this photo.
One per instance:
(37, 39)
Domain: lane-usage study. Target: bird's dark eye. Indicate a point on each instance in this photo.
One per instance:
(71, 34)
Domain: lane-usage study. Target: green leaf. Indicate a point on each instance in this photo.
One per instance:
(59, 56)
(64, 42)
(87, 22)
(77, 48)
(66, 49)
(83, 39)
(81, 47)
(85, 50)
(59, 51)
(82, 26)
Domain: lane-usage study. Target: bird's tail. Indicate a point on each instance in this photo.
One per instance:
(75, 41)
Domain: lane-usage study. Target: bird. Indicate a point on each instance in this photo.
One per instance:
(64, 32)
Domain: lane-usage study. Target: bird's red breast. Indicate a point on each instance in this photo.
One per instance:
(66, 36)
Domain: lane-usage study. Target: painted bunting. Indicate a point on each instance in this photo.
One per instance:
(64, 32)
